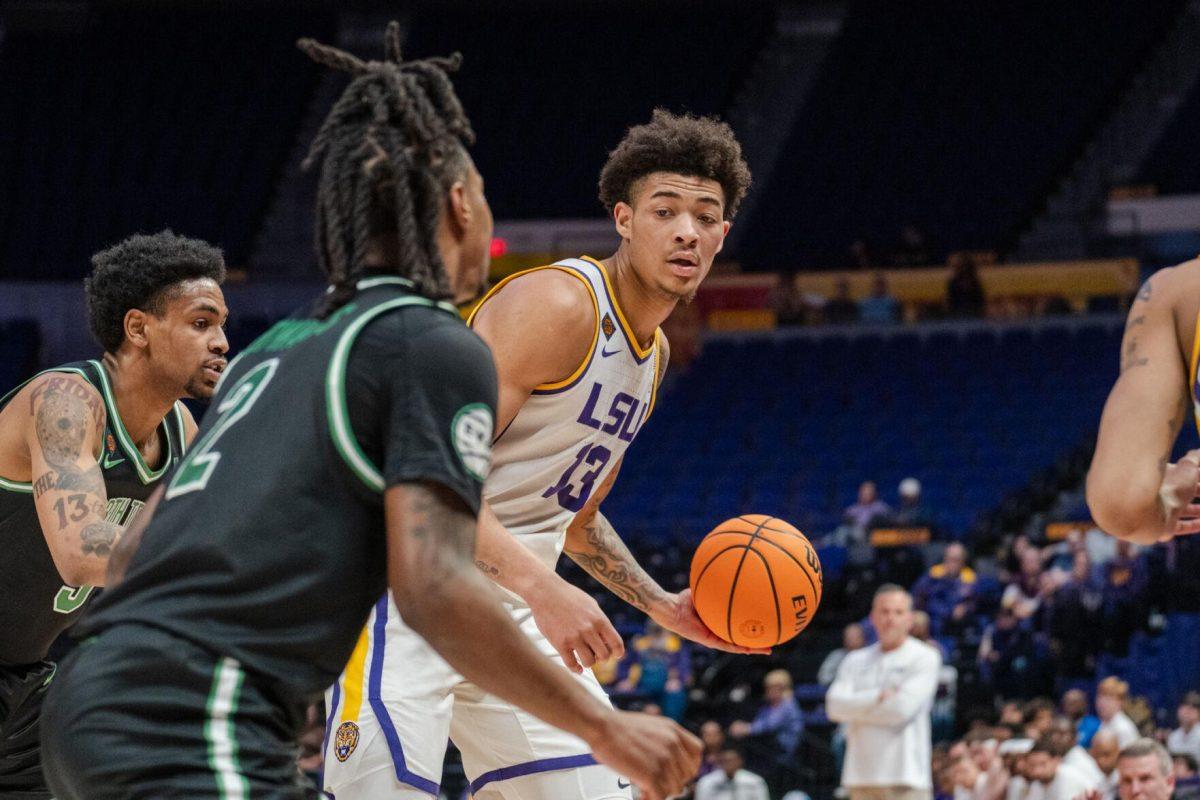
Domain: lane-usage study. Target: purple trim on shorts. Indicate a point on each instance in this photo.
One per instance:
(532, 767)
(331, 712)
(374, 697)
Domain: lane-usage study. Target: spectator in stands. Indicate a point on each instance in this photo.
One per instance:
(1075, 708)
(1024, 595)
(1187, 782)
(774, 734)
(841, 308)
(947, 591)
(1050, 779)
(1186, 738)
(1074, 607)
(1038, 717)
(869, 508)
(712, 736)
(1009, 658)
(1105, 751)
(879, 306)
(964, 291)
(732, 781)
(970, 782)
(1010, 558)
(788, 302)
(852, 639)
(1012, 716)
(660, 670)
(1062, 734)
(1111, 695)
(1124, 593)
(1145, 771)
(884, 694)
(913, 249)
(912, 511)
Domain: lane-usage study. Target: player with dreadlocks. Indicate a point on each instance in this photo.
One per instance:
(345, 454)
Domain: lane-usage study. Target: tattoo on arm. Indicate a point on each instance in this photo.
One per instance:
(441, 531)
(63, 411)
(606, 558)
(1129, 348)
(487, 569)
(99, 538)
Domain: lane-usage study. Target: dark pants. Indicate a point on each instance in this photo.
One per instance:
(139, 713)
(21, 692)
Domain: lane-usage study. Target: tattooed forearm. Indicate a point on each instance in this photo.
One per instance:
(98, 538)
(1129, 346)
(442, 534)
(606, 558)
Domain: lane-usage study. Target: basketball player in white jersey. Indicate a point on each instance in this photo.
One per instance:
(579, 357)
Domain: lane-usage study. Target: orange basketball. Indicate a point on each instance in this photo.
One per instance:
(756, 581)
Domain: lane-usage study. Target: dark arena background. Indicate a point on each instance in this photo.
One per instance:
(905, 344)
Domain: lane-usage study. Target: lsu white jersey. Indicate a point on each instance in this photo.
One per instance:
(569, 435)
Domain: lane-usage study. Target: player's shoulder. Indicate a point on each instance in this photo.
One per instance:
(553, 293)
(406, 331)
(67, 382)
(1171, 283)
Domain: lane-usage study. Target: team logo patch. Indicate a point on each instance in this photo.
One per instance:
(752, 629)
(471, 433)
(608, 327)
(345, 740)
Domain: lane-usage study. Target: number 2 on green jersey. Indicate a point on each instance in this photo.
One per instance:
(193, 474)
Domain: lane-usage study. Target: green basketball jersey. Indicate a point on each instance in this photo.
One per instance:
(35, 604)
(269, 546)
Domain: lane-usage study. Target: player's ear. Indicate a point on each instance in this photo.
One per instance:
(136, 324)
(459, 206)
(623, 216)
(725, 226)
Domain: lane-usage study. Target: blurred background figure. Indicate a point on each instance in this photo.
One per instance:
(732, 781)
(884, 694)
(773, 737)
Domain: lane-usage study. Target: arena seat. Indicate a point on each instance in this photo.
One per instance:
(887, 136)
(789, 426)
(98, 147)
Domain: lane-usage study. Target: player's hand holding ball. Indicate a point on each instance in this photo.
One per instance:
(756, 582)
(658, 756)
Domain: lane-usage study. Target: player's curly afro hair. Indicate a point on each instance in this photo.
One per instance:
(701, 147)
(140, 273)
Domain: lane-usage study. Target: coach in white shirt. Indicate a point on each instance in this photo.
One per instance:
(883, 694)
(731, 782)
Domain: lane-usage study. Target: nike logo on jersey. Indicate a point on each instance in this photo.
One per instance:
(110, 462)
(622, 784)
(605, 352)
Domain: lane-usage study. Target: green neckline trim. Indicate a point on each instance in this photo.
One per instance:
(145, 474)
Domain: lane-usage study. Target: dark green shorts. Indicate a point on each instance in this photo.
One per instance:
(137, 712)
(21, 692)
